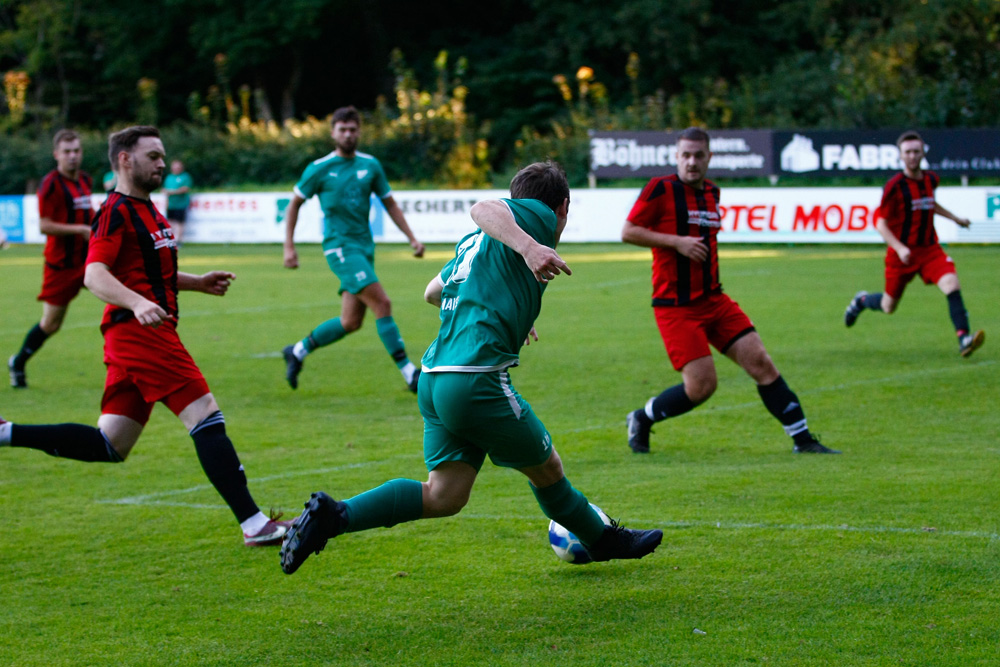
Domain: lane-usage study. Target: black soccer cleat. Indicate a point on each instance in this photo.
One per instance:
(854, 308)
(619, 542)
(322, 519)
(638, 433)
(812, 446)
(968, 343)
(293, 366)
(414, 381)
(18, 378)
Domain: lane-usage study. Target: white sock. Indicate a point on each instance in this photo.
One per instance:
(408, 371)
(5, 433)
(300, 351)
(254, 524)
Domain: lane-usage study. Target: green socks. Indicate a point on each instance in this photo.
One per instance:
(566, 506)
(396, 501)
(393, 341)
(329, 332)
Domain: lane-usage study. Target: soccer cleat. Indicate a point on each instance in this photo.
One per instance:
(270, 535)
(854, 308)
(638, 433)
(967, 344)
(18, 380)
(619, 542)
(414, 381)
(812, 446)
(293, 366)
(322, 519)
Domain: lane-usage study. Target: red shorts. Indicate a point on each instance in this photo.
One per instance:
(929, 262)
(688, 330)
(147, 365)
(60, 286)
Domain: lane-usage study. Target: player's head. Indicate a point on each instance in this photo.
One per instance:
(693, 156)
(67, 151)
(911, 150)
(177, 167)
(345, 127)
(546, 182)
(136, 154)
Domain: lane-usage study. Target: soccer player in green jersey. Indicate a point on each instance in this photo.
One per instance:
(489, 294)
(344, 181)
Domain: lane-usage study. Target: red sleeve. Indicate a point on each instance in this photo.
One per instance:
(107, 238)
(51, 203)
(648, 208)
(891, 206)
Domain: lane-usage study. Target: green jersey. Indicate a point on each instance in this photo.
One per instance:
(175, 182)
(490, 298)
(345, 187)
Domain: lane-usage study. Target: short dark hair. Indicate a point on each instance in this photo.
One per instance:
(345, 115)
(695, 134)
(544, 181)
(125, 140)
(909, 135)
(63, 135)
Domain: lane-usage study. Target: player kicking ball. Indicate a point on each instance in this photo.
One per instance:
(489, 294)
(132, 266)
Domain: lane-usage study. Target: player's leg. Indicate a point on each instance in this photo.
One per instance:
(51, 322)
(749, 353)
(352, 314)
(968, 341)
(897, 276)
(374, 297)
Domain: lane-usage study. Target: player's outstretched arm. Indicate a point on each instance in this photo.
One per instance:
(494, 218)
(50, 227)
(213, 282)
(396, 213)
(689, 246)
(941, 210)
(102, 284)
(291, 219)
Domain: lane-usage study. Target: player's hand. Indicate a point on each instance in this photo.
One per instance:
(692, 247)
(418, 248)
(545, 263)
(904, 255)
(963, 222)
(217, 282)
(291, 258)
(150, 314)
(531, 334)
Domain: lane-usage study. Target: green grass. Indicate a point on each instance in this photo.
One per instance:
(889, 554)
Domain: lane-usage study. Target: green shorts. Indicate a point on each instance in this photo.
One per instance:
(469, 415)
(354, 267)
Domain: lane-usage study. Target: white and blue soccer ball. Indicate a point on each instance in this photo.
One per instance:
(567, 545)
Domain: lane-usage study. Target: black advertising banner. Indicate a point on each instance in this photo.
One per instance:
(735, 153)
(843, 153)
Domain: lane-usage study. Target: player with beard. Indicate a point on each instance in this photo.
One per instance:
(344, 181)
(905, 219)
(132, 266)
(65, 214)
(678, 217)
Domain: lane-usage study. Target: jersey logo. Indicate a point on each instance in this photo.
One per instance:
(362, 173)
(333, 173)
(466, 254)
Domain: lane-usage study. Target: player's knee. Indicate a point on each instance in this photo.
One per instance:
(351, 324)
(444, 502)
(700, 389)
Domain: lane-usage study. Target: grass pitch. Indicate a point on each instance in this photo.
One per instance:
(888, 554)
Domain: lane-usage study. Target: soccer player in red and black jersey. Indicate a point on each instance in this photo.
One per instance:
(905, 220)
(132, 266)
(65, 215)
(678, 217)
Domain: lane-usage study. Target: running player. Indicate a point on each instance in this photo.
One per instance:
(905, 220)
(132, 266)
(489, 296)
(344, 180)
(678, 217)
(65, 215)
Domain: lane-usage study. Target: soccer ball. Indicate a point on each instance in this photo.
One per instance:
(567, 546)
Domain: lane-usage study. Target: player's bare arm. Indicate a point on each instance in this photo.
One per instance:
(102, 284)
(291, 219)
(214, 282)
(432, 293)
(941, 210)
(396, 213)
(890, 240)
(50, 227)
(494, 218)
(689, 246)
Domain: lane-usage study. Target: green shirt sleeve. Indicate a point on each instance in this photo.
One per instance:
(380, 184)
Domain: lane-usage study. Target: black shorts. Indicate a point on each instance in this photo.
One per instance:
(177, 215)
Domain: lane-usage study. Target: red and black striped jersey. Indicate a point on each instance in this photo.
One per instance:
(64, 200)
(908, 208)
(669, 206)
(134, 240)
